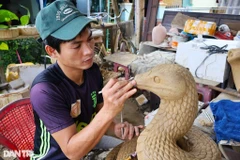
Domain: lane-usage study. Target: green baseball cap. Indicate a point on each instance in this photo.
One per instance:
(62, 20)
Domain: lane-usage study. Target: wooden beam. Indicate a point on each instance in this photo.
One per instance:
(151, 18)
(116, 9)
(139, 16)
(232, 93)
(132, 11)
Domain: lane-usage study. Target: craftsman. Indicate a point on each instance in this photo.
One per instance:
(70, 116)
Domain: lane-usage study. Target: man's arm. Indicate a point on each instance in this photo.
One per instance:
(113, 123)
(77, 144)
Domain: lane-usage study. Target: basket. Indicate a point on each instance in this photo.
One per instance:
(27, 30)
(10, 97)
(9, 33)
(17, 127)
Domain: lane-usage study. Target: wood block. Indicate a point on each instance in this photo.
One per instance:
(3, 86)
(16, 83)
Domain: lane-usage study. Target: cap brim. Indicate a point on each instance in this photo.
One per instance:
(72, 28)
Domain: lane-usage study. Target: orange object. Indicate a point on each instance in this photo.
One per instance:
(200, 27)
(174, 44)
(176, 40)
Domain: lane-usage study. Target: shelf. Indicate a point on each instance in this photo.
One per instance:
(19, 37)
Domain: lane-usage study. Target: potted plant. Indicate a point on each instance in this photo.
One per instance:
(6, 31)
(25, 28)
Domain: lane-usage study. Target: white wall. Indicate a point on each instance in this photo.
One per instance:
(204, 3)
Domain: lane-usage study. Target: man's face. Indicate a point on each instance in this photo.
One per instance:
(78, 53)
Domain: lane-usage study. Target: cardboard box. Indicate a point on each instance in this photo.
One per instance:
(215, 67)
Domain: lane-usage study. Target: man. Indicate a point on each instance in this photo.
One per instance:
(70, 116)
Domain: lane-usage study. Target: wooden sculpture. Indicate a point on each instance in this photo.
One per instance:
(234, 61)
(170, 135)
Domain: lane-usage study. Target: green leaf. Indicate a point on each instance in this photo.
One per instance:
(2, 26)
(6, 16)
(24, 20)
(28, 13)
(0, 5)
(4, 46)
(7, 19)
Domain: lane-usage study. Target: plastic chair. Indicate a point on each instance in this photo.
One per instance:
(17, 127)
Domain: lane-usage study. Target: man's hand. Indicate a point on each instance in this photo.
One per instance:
(115, 93)
(127, 130)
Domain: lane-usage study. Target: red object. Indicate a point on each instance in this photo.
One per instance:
(206, 92)
(19, 58)
(126, 69)
(226, 35)
(17, 127)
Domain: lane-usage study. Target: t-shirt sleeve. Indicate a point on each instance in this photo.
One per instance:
(49, 104)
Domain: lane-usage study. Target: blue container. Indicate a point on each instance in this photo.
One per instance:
(187, 3)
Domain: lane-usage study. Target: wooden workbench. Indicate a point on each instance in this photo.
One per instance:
(122, 59)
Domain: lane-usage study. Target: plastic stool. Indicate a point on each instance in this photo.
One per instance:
(205, 91)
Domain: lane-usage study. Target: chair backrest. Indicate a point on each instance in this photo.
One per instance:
(17, 127)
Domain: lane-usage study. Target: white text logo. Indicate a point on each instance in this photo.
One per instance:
(21, 153)
(67, 11)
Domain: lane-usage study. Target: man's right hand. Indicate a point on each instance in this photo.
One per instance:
(115, 93)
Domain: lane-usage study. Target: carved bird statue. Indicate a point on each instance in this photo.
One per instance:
(171, 134)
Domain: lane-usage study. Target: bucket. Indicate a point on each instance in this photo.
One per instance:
(161, 10)
(125, 15)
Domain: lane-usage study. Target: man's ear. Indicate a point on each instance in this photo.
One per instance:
(51, 51)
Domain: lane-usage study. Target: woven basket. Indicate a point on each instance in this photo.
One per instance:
(27, 30)
(10, 97)
(9, 33)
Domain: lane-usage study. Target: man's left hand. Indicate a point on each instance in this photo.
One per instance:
(127, 130)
